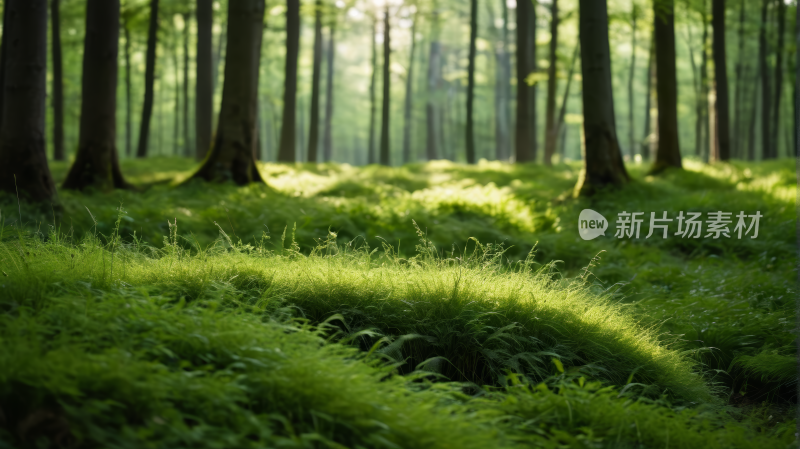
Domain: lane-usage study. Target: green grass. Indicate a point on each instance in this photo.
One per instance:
(226, 328)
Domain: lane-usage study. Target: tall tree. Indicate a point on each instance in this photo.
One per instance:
(4, 49)
(407, 106)
(473, 35)
(96, 162)
(797, 77)
(58, 83)
(434, 76)
(648, 129)
(372, 101)
(631, 78)
(766, 91)
(327, 138)
(204, 84)
(705, 88)
(551, 128)
(187, 139)
(286, 148)
(721, 80)
(232, 156)
(23, 157)
(563, 110)
(525, 136)
(149, 80)
(668, 153)
(313, 129)
(503, 115)
(387, 81)
(177, 90)
(737, 147)
(776, 113)
(128, 98)
(603, 164)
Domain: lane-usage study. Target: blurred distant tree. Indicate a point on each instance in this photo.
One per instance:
(525, 144)
(631, 78)
(551, 131)
(721, 81)
(434, 76)
(407, 104)
(668, 153)
(286, 148)
(766, 91)
(313, 128)
(23, 160)
(327, 138)
(58, 82)
(473, 34)
(204, 84)
(149, 81)
(387, 84)
(776, 113)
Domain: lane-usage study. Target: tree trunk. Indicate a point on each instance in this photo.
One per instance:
(705, 89)
(219, 56)
(327, 139)
(128, 99)
(434, 75)
(751, 138)
(603, 161)
(563, 111)
(204, 85)
(23, 156)
(96, 162)
(698, 108)
(796, 80)
(5, 47)
(386, 90)
(721, 81)
(407, 107)
(371, 143)
(286, 149)
(631, 78)
(187, 137)
(473, 35)
(776, 114)
(551, 129)
(766, 91)
(233, 155)
(738, 133)
(648, 129)
(313, 128)
(668, 154)
(176, 131)
(58, 85)
(149, 80)
(525, 136)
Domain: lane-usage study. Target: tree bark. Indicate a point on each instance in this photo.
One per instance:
(23, 156)
(96, 162)
(128, 99)
(286, 149)
(525, 136)
(385, 160)
(149, 80)
(327, 139)
(721, 81)
(313, 128)
(603, 164)
(776, 114)
(187, 137)
(204, 84)
(738, 133)
(407, 107)
(434, 75)
(766, 91)
(233, 155)
(668, 154)
(372, 101)
(473, 35)
(58, 84)
(551, 130)
(631, 79)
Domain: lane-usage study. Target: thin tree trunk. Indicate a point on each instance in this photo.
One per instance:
(738, 133)
(371, 143)
(776, 114)
(794, 84)
(533, 66)
(696, 84)
(648, 130)
(313, 128)
(301, 132)
(563, 111)
(233, 155)
(525, 138)
(721, 81)
(551, 130)
(219, 55)
(96, 162)
(407, 107)
(473, 35)
(603, 164)
(434, 75)
(766, 91)
(385, 160)
(631, 79)
(5, 47)
(751, 138)
(705, 88)
(58, 85)
(204, 84)
(286, 150)
(668, 154)
(128, 99)
(176, 133)
(327, 139)
(187, 140)
(149, 80)
(23, 156)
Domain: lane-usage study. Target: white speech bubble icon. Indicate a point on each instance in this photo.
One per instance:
(591, 224)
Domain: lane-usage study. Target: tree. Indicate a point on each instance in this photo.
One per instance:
(23, 157)
(313, 129)
(204, 84)
(603, 164)
(4, 49)
(327, 139)
(737, 147)
(407, 107)
(187, 141)
(149, 80)
(551, 128)
(648, 129)
(766, 94)
(776, 113)
(434, 75)
(58, 83)
(232, 157)
(128, 102)
(371, 143)
(721, 80)
(96, 162)
(668, 153)
(384, 156)
(631, 78)
(286, 147)
(473, 34)
(525, 135)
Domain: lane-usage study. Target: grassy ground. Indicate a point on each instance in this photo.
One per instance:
(313, 312)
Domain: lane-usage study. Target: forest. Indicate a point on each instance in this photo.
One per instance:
(399, 223)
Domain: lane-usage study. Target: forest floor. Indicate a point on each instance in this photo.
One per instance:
(430, 305)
